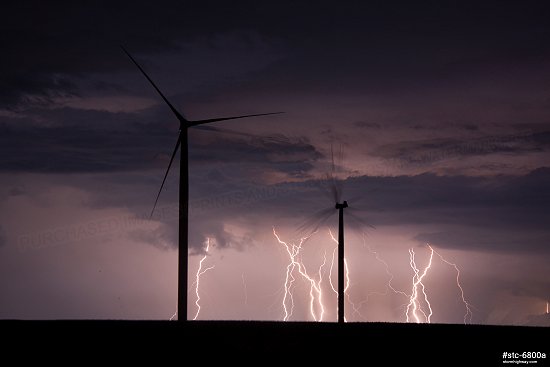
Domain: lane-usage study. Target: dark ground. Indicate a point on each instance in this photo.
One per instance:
(379, 344)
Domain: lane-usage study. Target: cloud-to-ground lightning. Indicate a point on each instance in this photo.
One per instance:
(174, 316)
(547, 308)
(244, 291)
(468, 314)
(296, 264)
(389, 286)
(418, 309)
(200, 272)
(415, 302)
(346, 270)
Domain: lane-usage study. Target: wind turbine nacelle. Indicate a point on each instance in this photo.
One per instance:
(341, 206)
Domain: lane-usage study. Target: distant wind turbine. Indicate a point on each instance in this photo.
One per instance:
(320, 217)
(183, 189)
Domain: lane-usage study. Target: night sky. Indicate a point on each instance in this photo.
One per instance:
(437, 118)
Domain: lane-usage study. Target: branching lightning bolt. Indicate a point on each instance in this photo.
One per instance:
(388, 272)
(315, 292)
(468, 315)
(389, 285)
(414, 302)
(418, 309)
(200, 272)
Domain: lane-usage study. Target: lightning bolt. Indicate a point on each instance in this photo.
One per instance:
(389, 285)
(468, 314)
(244, 290)
(296, 264)
(418, 309)
(414, 302)
(331, 267)
(200, 272)
(547, 307)
(346, 270)
(174, 315)
(388, 272)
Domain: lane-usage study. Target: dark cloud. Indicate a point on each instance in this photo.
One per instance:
(218, 235)
(413, 48)
(292, 155)
(385, 46)
(433, 150)
(77, 148)
(164, 237)
(101, 141)
(34, 89)
(203, 226)
(51, 48)
(457, 193)
(496, 214)
(471, 238)
(502, 214)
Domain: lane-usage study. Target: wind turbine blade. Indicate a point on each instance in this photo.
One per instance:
(332, 188)
(207, 121)
(356, 209)
(359, 221)
(356, 201)
(322, 221)
(276, 139)
(336, 185)
(335, 191)
(227, 131)
(332, 169)
(166, 174)
(180, 117)
(316, 220)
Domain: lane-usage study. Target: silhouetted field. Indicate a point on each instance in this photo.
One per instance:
(383, 343)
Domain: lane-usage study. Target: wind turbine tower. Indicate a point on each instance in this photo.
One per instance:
(341, 261)
(182, 140)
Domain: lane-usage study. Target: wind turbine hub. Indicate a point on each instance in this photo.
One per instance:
(341, 206)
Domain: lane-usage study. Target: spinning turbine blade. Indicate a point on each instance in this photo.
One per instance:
(178, 115)
(200, 122)
(275, 139)
(316, 220)
(166, 174)
(335, 191)
(360, 221)
(224, 131)
(336, 185)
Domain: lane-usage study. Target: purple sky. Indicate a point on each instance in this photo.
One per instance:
(442, 113)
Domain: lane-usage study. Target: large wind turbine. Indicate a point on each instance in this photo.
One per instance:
(183, 189)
